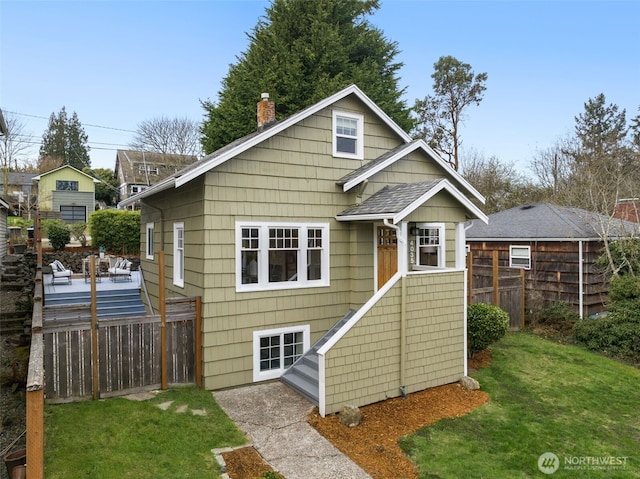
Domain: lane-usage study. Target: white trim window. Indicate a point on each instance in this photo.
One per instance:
(520, 256)
(281, 255)
(348, 135)
(430, 242)
(274, 350)
(178, 254)
(150, 238)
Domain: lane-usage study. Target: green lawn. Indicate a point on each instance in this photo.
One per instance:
(544, 397)
(119, 438)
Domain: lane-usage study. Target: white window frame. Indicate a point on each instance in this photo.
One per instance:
(359, 137)
(301, 280)
(520, 258)
(150, 240)
(259, 375)
(441, 247)
(178, 254)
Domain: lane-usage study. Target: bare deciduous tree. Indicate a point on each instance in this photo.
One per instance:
(500, 183)
(169, 136)
(14, 147)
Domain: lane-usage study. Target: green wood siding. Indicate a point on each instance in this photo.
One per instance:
(362, 372)
(180, 205)
(290, 177)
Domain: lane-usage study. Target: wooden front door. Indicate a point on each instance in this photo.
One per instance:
(387, 254)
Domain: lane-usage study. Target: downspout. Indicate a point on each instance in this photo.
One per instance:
(581, 280)
(466, 305)
(403, 311)
(161, 222)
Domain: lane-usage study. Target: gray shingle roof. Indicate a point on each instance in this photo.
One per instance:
(543, 220)
(371, 165)
(391, 199)
(132, 165)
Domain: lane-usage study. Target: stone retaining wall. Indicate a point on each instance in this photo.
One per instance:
(73, 259)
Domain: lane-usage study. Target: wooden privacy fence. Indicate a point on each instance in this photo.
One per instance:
(129, 352)
(499, 286)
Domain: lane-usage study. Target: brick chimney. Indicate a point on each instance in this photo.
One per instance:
(266, 112)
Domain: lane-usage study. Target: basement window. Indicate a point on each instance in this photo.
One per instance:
(275, 350)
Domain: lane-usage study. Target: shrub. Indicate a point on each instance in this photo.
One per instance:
(556, 313)
(116, 230)
(58, 233)
(485, 325)
(618, 333)
(78, 232)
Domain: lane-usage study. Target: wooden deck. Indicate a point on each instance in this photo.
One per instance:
(79, 284)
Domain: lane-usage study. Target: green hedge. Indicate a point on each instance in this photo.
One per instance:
(617, 333)
(117, 230)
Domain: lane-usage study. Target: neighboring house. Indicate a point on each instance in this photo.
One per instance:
(557, 247)
(69, 191)
(4, 232)
(332, 225)
(627, 209)
(20, 193)
(138, 170)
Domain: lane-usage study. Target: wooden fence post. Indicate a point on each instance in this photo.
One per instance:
(470, 277)
(523, 294)
(496, 280)
(163, 322)
(95, 359)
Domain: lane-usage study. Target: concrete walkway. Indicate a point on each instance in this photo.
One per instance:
(273, 417)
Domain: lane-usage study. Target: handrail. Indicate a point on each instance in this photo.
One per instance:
(144, 288)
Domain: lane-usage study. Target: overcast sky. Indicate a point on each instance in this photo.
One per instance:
(119, 63)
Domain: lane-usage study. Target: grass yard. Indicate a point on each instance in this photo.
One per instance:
(545, 397)
(120, 438)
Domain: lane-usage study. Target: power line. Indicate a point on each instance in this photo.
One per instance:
(83, 124)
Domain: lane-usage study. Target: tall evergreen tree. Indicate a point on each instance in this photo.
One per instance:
(65, 141)
(301, 52)
(603, 166)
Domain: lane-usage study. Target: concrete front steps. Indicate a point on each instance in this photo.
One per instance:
(303, 376)
(110, 304)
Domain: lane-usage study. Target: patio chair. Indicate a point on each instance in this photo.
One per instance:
(122, 268)
(60, 272)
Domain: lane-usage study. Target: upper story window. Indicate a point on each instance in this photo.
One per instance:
(152, 170)
(135, 189)
(520, 257)
(348, 136)
(64, 185)
(281, 256)
(430, 245)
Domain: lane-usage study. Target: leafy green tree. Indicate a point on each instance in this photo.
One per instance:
(300, 53)
(107, 190)
(439, 116)
(65, 142)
